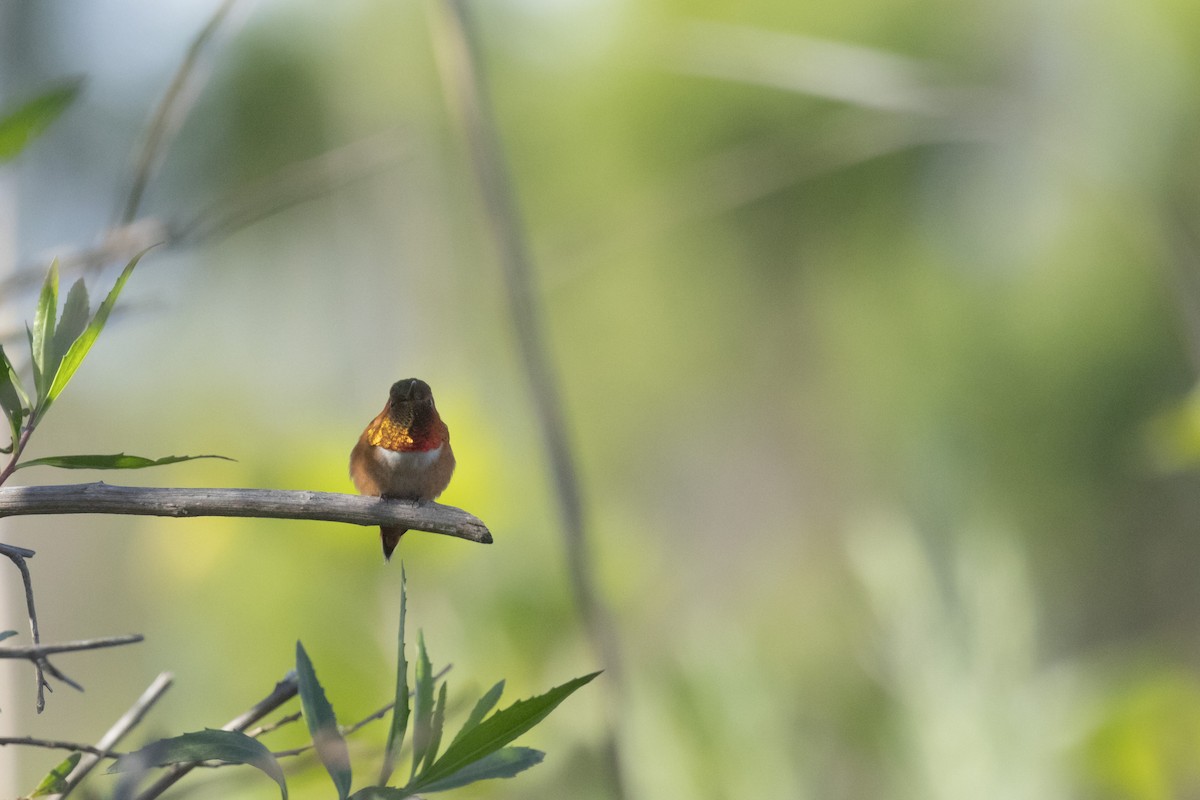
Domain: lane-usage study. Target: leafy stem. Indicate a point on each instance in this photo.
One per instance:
(58, 343)
(18, 448)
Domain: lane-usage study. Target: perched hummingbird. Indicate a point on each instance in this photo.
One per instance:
(404, 453)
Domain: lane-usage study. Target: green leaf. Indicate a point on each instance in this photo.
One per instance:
(230, 747)
(400, 710)
(497, 731)
(13, 399)
(55, 781)
(485, 704)
(45, 360)
(422, 704)
(74, 317)
(6, 634)
(83, 343)
(322, 724)
(380, 793)
(111, 461)
(33, 362)
(22, 125)
(504, 763)
(435, 729)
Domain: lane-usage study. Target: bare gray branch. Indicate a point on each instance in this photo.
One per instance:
(39, 651)
(101, 498)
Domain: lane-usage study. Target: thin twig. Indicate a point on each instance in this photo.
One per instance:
(34, 652)
(119, 244)
(55, 744)
(117, 732)
(18, 556)
(284, 690)
(290, 186)
(287, 719)
(466, 91)
(169, 114)
(101, 498)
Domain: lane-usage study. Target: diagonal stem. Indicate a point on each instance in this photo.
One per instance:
(169, 114)
(284, 690)
(119, 729)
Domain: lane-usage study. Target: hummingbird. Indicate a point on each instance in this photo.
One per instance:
(404, 453)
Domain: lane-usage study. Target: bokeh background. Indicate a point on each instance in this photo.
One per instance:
(876, 331)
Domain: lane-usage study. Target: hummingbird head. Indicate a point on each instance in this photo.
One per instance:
(409, 400)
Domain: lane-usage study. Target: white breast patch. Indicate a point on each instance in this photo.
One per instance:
(411, 460)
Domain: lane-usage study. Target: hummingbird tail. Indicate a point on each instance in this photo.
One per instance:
(391, 538)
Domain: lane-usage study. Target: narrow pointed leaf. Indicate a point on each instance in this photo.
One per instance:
(110, 461)
(504, 763)
(380, 793)
(230, 747)
(21, 125)
(74, 317)
(435, 728)
(497, 731)
(55, 781)
(395, 737)
(44, 357)
(422, 704)
(485, 704)
(6, 634)
(13, 399)
(34, 363)
(322, 724)
(83, 343)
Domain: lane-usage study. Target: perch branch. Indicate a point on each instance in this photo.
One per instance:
(101, 498)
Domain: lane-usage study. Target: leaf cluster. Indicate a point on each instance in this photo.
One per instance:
(479, 751)
(58, 344)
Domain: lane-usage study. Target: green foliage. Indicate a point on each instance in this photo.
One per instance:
(110, 461)
(56, 779)
(5, 634)
(422, 733)
(477, 753)
(322, 724)
(229, 747)
(68, 362)
(492, 734)
(400, 710)
(57, 348)
(504, 763)
(13, 399)
(23, 124)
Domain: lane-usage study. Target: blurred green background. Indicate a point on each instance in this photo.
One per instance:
(876, 325)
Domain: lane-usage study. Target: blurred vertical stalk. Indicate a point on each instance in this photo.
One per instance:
(458, 58)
